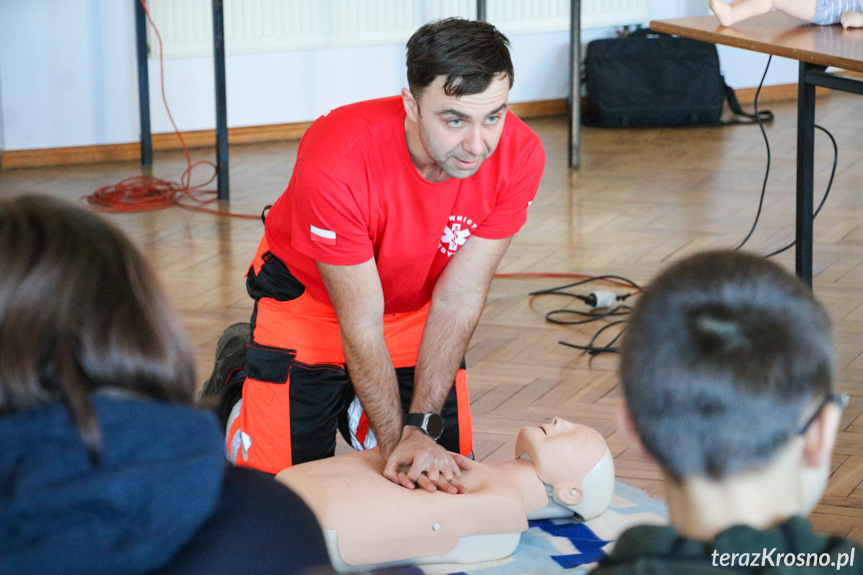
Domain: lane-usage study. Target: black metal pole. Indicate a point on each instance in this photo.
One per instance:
(480, 11)
(221, 100)
(143, 85)
(805, 173)
(574, 84)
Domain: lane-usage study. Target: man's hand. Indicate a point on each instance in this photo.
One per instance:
(418, 460)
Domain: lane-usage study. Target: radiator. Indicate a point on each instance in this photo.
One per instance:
(254, 26)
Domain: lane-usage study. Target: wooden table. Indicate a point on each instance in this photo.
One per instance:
(816, 48)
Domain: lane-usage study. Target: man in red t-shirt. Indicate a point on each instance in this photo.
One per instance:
(375, 265)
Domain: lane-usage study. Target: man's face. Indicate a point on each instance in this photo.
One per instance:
(458, 133)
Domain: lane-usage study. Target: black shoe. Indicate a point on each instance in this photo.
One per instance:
(221, 391)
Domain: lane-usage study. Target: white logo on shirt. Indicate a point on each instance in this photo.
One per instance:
(455, 234)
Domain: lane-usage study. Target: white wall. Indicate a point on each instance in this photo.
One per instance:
(68, 75)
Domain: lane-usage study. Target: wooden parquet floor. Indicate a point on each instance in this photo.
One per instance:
(642, 199)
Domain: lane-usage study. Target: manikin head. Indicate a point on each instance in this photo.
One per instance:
(459, 73)
(726, 358)
(573, 460)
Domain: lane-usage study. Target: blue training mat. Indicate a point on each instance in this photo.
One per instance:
(564, 546)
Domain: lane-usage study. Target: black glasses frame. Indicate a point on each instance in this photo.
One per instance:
(840, 399)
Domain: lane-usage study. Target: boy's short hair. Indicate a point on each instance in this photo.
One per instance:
(722, 357)
(469, 53)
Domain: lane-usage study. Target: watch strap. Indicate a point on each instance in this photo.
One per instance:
(430, 423)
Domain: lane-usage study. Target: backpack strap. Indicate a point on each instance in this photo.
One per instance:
(731, 97)
(646, 33)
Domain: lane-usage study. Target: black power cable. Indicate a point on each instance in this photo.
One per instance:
(592, 349)
(606, 301)
(589, 316)
(767, 170)
(559, 290)
(826, 192)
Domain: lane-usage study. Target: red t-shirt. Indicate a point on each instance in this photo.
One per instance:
(355, 195)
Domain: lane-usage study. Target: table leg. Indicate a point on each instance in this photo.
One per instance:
(805, 174)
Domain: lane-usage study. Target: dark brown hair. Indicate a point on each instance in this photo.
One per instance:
(469, 53)
(81, 310)
(722, 356)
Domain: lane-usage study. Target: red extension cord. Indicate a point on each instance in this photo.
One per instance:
(147, 193)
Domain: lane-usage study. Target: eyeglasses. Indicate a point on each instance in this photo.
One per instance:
(840, 399)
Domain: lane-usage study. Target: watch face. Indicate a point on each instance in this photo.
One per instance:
(434, 425)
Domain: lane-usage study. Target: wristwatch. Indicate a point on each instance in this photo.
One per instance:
(430, 423)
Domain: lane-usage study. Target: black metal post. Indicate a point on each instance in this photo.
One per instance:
(480, 11)
(575, 84)
(143, 85)
(221, 100)
(805, 173)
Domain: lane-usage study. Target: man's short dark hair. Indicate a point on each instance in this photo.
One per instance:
(469, 53)
(723, 356)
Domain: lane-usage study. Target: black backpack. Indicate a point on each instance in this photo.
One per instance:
(650, 79)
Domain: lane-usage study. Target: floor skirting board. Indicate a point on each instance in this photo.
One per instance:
(281, 132)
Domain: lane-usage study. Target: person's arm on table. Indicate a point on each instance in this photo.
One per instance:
(852, 20)
(456, 305)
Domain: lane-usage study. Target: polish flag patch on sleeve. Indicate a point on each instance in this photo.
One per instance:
(323, 236)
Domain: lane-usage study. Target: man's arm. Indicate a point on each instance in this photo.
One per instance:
(457, 303)
(358, 299)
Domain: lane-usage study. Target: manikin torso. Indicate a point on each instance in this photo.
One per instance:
(369, 521)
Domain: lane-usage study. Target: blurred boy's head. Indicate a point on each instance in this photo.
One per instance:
(726, 359)
(81, 310)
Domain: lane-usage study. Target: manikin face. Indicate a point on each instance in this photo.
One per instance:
(561, 451)
(455, 133)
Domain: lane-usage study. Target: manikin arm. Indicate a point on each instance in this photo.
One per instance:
(739, 10)
(456, 305)
(852, 20)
